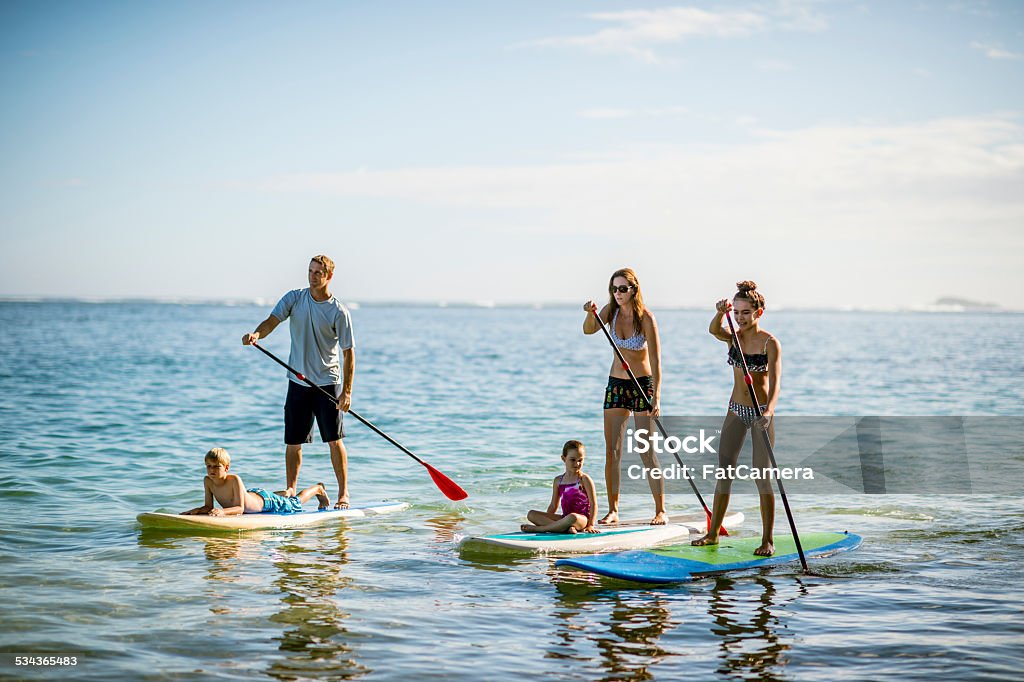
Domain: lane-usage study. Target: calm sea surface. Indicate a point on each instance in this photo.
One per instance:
(106, 410)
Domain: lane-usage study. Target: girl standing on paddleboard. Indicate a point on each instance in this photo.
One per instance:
(763, 355)
(635, 332)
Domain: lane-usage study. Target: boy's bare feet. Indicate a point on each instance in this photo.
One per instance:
(323, 502)
(709, 539)
(610, 517)
(660, 519)
(767, 548)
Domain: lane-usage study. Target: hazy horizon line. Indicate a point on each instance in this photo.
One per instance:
(961, 306)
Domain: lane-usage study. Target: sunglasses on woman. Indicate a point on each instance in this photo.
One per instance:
(624, 289)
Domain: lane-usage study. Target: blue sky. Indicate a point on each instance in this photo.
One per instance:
(840, 153)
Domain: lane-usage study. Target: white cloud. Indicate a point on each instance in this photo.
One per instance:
(993, 51)
(638, 32)
(934, 179)
(895, 212)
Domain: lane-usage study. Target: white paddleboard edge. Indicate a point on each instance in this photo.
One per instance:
(249, 522)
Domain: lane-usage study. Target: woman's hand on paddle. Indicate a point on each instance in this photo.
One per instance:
(590, 307)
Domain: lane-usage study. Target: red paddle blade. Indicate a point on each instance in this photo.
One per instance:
(721, 529)
(446, 485)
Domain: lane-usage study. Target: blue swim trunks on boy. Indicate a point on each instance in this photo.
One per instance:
(278, 504)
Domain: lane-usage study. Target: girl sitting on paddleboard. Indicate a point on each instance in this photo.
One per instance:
(763, 355)
(635, 333)
(574, 490)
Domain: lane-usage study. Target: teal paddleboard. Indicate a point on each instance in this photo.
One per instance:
(680, 563)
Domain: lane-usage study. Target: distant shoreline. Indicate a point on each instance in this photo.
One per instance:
(943, 307)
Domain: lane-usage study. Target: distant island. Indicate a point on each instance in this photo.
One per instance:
(965, 304)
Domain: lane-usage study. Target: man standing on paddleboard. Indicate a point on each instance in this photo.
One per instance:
(321, 330)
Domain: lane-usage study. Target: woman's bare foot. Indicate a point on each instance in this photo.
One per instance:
(571, 530)
(322, 501)
(767, 548)
(660, 519)
(610, 517)
(709, 539)
(528, 528)
(342, 502)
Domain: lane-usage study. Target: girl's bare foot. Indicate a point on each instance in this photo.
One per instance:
(571, 530)
(323, 502)
(610, 517)
(528, 528)
(767, 548)
(660, 519)
(709, 539)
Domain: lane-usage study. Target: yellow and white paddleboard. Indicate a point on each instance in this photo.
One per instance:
(243, 522)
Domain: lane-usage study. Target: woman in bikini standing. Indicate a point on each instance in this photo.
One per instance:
(765, 364)
(635, 332)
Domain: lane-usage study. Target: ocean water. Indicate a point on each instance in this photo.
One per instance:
(106, 410)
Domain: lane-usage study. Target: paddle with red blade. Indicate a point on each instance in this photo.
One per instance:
(650, 407)
(446, 485)
(749, 381)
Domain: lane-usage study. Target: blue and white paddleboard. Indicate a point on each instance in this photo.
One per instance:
(630, 534)
(264, 521)
(680, 563)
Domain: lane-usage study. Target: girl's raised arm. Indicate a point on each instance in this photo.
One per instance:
(715, 328)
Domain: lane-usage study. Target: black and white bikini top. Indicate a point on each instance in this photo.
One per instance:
(635, 342)
(756, 362)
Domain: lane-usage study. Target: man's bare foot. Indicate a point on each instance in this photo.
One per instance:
(767, 548)
(660, 519)
(528, 528)
(288, 492)
(322, 501)
(610, 517)
(342, 502)
(709, 539)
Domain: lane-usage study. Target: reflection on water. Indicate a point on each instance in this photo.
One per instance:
(622, 630)
(314, 641)
(446, 526)
(627, 640)
(747, 629)
(309, 571)
(631, 647)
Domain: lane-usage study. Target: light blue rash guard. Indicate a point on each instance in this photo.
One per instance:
(320, 330)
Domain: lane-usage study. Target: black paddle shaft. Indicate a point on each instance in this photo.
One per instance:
(749, 381)
(367, 423)
(647, 402)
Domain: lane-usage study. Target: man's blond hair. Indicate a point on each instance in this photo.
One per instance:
(326, 262)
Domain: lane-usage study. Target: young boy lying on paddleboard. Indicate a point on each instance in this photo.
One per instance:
(575, 490)
(229, 490)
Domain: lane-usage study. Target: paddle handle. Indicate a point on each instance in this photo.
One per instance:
(749, 381)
